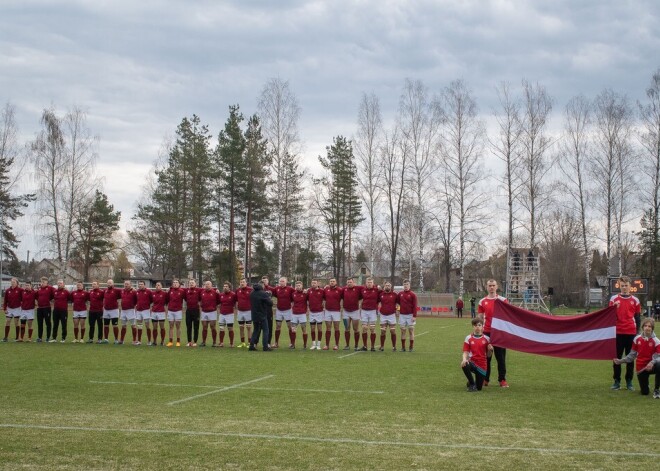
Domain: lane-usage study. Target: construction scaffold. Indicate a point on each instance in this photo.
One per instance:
(523, 279)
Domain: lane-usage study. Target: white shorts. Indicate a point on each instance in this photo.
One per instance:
(128, 314)
(282, 315)
(388, 319)
(352, 315)
(157, 316)
(210, 316)
(244, 316)
(80, 314)
(298, 319)
(406, 320)
(143, 315)
(316, 317)
(334, 316)
(226, 319)
(174, 316)
(16, 312)
(111, 314)
(368, 317)
(27, 314)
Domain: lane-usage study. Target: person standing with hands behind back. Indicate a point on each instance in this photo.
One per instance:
(262, 309)
(627, 307)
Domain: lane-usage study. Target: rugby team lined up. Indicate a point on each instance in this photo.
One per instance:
(218, 310)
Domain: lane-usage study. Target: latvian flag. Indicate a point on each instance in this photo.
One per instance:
(589, 336)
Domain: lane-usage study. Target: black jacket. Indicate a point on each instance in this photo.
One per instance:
(262, 304)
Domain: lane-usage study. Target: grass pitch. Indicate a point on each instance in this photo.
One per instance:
(73, 406)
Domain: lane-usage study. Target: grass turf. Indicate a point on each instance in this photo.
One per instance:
(65, 406)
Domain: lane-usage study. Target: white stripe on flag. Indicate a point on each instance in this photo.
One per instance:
(542, 337)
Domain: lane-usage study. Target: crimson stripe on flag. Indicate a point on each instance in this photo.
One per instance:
(597, 350)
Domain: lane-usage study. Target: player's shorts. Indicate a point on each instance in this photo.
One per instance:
(244, 316)
(298, 319)
(27, 314)
(111, 313)
(282, 315)
(209, 316)
(406, 320)
(127, 314)
(174, 316)
(157, 316)
(226, 319)
(334, 316)
(368, 317)
(316, 317)
(16, 312)
(352, 315)
(143, 315)
(80, 314)
(388, 319)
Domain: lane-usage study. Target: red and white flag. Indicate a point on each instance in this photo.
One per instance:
(589, 336)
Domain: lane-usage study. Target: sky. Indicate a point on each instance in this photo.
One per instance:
(138, 67)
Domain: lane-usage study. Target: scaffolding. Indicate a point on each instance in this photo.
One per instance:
(523, 279)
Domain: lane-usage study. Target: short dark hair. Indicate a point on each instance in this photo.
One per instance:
(477, 320)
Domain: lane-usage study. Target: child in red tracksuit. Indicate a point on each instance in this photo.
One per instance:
(646, 352)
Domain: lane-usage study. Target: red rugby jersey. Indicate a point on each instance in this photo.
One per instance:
(315, 297)
(96, 300)
(333, 298)
(478, 348)
(352, 298)
(486, 306)
(625, 313)
(209, 300)
(407, 302)
(176, 297)
(299, 302)
(29, 299)
(128, 298)
(111, 297)
(79, 297)
(159, 300)
(144, 297)
(243, 298)
(388, 302)
(61, 299)
(13, 298)
(283, 295)
(227, 302)
(370, 298)
(44, 296)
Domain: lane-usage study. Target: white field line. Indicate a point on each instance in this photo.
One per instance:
(424, 333)
(170, 385)
(354, 441)
(226, 388)
(350, 354)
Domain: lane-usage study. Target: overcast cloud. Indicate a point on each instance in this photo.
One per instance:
(139, 67)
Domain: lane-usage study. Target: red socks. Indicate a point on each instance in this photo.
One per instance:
(382, 340)
(373, 340)
(7, 328)
(411, 343)
(204, 334)
(106, 331)
(231, 337)
(356, 338)
(347, 337)
(292, 337)
(304, 340)
(222, 336)
(364, 339)
(133, 331)
(327, 336)
(123, 332)
(403, 343)
(337, 337)
(393, 336)
(115, 330)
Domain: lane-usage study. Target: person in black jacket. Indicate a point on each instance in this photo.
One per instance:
(262, 309)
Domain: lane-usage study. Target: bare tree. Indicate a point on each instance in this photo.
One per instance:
(506, 146)
(279, 112)
(462, 147)
(649, 136)
(366, 147)
(9, 147)
(419, 121)
(537, 106)
(394, 161)
(610, 160)
(573, 162)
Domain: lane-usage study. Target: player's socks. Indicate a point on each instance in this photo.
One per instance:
(313, 336)
(403, 343)
(292, 337)
(305, 340)
(222, 336)
(22, 331)
(115, 331)
(242, 338)
(106, 331)
(204, 334)
(327, 336)
(393, 336)
(356, 338)
(30, 333)
(162, 335)
(18, 332)
(347, 337)
(364, 339)
(178, 340)
(337, 337)
(123, 332)
(382, 340)
(75, 333)
(82, 333)
(373, 340)
(231, 337)
(277, 335)
(214, 335)
(412, 341)
(134, 333)
(7, 329)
